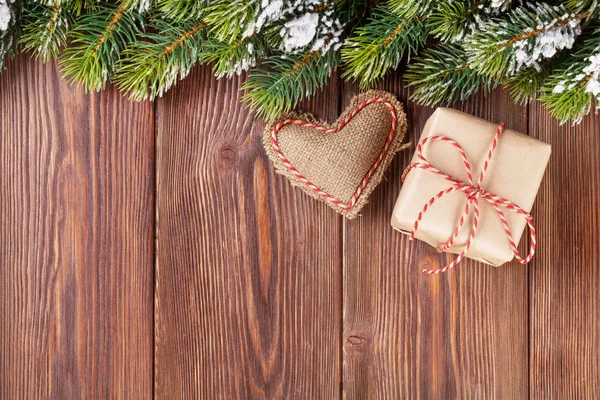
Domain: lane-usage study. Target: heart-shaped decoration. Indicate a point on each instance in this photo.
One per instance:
(341, 163)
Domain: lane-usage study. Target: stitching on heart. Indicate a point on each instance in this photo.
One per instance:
(323, 129)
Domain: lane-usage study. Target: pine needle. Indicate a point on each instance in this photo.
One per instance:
(98, 42)
(154, 64)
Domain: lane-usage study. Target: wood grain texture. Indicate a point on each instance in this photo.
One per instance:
(258, 290)
(565, 273)
(249, 269)
(463, 334)
(76, 196)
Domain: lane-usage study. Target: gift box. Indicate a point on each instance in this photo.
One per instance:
(513, 166)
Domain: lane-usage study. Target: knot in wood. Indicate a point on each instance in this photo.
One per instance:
(227, 157)
(358, 343)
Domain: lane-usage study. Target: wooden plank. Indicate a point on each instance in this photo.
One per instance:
(408, 335)
(248, 273)
(76, 189)
(565, 274)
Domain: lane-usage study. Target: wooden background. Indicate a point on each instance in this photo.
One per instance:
(149, 250)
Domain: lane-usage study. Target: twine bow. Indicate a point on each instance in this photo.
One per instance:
(473, 193)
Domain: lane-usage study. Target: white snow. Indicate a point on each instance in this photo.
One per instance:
(5, 15)
(271, 12)
(301, 28)
(593, 71)
(559, 88)
(250, 29)
(241, 66)
(143, 5)
(501, 4)
(299, 32)
(593, 87)
(557, 35)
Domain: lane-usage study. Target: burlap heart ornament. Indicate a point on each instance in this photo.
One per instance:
(339, 163)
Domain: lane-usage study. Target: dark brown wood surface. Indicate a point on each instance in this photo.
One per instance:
(76, 222)
(149, 250)
(565, 273)
(455, 335)
(249, 269)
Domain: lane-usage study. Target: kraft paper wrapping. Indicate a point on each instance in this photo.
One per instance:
(515, 173)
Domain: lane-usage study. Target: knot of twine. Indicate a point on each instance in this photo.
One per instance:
(473, 192)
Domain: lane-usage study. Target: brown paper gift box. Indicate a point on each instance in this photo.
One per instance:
(514, 173)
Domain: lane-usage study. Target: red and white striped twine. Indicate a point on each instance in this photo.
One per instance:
(323, 129)
(473, 192)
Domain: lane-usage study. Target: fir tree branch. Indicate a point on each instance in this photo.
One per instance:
(352, 11)
(535, 32)
(282, 82)
(153, 65)
(380, 45)
(525, 85)
(523, 38)
(442, 76)
(412, 8)
(181, 10)
(453, 20)
(77, 7)
(233, 58)
(111, 26)
(229, 20)
(46, 29)
(590, 7)
(295, 43)
(572, 90)
(99, 41)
